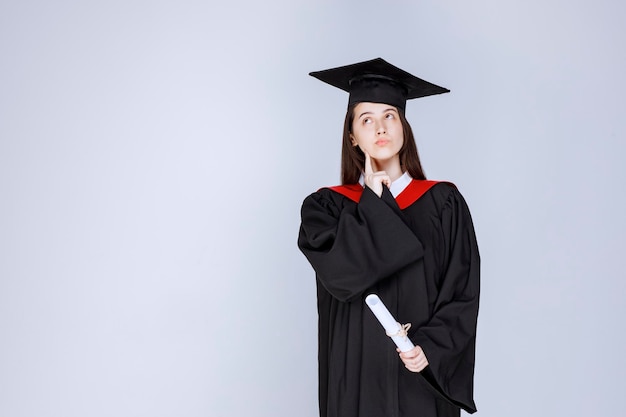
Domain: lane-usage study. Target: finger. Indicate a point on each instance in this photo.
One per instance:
(416, 366)
(408, 356)
(413, 353)
(421, 361)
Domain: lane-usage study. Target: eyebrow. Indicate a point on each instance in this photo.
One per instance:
(370, 112)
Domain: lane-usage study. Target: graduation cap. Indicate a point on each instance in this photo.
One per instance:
(378, 81)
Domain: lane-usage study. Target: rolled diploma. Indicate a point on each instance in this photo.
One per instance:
(389, 323)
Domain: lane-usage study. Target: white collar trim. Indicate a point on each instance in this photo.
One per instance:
(397, 186)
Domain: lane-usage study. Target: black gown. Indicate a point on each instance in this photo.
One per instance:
(422, 260)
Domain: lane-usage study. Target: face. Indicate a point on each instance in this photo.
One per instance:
(377, 130)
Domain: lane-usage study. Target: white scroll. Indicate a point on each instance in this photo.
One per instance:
(395, 330)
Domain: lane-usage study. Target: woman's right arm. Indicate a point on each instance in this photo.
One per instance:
(353, 246)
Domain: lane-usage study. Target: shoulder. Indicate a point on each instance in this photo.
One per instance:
(446, 194)
(350, 191)
(443, 190)
(333, 197)
(426, 190)
(449, 200)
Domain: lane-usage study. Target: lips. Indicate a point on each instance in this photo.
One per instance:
(382, 142)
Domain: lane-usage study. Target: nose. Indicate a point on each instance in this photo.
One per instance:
(381, 129)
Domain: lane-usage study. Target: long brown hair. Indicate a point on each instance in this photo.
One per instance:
(353, 158)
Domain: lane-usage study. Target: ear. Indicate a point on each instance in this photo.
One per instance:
(353, 140)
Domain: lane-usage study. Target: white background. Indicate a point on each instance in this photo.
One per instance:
(154, 156)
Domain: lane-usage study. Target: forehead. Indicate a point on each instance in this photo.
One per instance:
(367, 107)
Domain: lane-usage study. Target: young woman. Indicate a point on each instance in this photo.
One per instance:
(389, 231)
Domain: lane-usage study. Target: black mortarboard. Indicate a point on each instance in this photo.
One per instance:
(378, 81)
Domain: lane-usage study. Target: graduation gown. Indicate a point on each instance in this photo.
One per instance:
(418, 252)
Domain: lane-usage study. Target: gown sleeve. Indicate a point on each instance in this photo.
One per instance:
(352, 246)
(448, 338)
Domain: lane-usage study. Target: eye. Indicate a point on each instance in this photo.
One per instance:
(390, 116)
(367, 120)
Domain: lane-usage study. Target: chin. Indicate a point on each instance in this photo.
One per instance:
(383, 156)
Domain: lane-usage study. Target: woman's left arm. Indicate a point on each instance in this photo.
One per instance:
(448, 339)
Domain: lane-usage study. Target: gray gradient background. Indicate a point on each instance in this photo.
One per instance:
(154, 156)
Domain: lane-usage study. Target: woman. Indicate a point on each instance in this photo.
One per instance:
(389, 231)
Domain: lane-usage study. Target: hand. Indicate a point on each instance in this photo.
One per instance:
(414, 360)
(375, 180)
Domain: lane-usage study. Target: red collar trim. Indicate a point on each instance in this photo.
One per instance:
(351, 191)
(408, 196)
